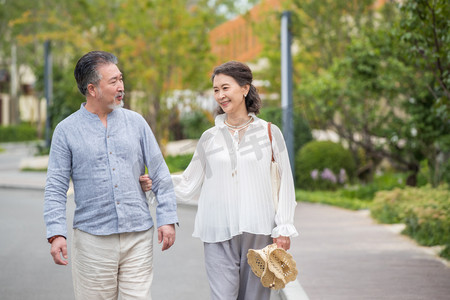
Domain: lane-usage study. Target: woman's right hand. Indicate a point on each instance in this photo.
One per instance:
(146, 183)
(283, 242)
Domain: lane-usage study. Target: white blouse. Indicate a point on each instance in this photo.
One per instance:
(230, 179)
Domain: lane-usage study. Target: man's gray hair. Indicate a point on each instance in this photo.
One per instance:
(86, 70)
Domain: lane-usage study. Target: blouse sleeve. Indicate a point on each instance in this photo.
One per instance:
(284, 218)
(189, 184)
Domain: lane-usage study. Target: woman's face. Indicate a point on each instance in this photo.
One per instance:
(229, 94)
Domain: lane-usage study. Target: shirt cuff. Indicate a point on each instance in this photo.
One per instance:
(167, 220)
(56, 230)
(284, 230)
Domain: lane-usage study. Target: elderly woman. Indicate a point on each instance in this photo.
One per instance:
(229, 176)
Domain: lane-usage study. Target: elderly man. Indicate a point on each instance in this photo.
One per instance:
(104, 149)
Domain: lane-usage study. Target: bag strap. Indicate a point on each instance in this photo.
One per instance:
(270, 138)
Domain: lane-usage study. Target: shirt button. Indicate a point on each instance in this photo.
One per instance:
(110, 152)
(115, 186)
(118, 202)
(114, 169)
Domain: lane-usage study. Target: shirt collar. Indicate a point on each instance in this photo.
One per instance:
(220, 119)
(90, 115)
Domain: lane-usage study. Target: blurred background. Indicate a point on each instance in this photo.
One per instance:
(371, 89)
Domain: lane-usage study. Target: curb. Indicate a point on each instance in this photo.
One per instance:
(21, 187)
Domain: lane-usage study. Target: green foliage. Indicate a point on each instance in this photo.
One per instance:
(178, 163)
(425, 34)
(17, 133)
(66, 97)
(425, 211)
(331, 198)
(321, 156)
(302, 131)
(194, 124)
(386, 181)
(379, 77)
(161, 46)
(446, 252)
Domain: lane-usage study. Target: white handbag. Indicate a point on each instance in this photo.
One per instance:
(275, 177)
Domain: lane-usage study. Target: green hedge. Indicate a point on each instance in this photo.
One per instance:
(425, 211)
(319, 165)
(17, 133)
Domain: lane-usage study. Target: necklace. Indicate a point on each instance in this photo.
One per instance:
(239, 127)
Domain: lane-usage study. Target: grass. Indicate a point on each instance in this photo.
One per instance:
(332, 198)
(33, 170)
(178, 163)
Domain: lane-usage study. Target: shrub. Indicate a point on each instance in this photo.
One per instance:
(17, 133)
(323, 165)
(388, 206)
(446, 252)
(425, 211)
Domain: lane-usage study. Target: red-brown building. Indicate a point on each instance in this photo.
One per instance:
(235, 40)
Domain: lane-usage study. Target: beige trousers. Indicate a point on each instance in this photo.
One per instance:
(105, 266)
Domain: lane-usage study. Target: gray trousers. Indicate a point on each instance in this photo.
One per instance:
(230, 276)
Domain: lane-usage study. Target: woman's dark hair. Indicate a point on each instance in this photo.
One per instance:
(243, 76)
(86, 70)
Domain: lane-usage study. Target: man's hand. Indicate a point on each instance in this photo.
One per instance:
(146, 182)
(283, 242)
(166, 234)
(59, 246)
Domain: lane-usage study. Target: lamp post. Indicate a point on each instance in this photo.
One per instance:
(286, 86)
(48, 89)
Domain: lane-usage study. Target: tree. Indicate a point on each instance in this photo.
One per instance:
(162, 46)
(424, 31)
(352, 76)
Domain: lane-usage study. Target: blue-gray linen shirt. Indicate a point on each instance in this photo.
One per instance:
(105, 165)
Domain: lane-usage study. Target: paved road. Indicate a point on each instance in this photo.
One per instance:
(27, 271)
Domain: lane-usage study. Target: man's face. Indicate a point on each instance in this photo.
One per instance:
(110, 87)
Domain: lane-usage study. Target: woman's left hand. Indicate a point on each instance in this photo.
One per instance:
(283, 242)
(146, 183)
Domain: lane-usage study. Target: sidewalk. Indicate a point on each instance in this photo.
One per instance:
(343, 254)
(10, 174)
